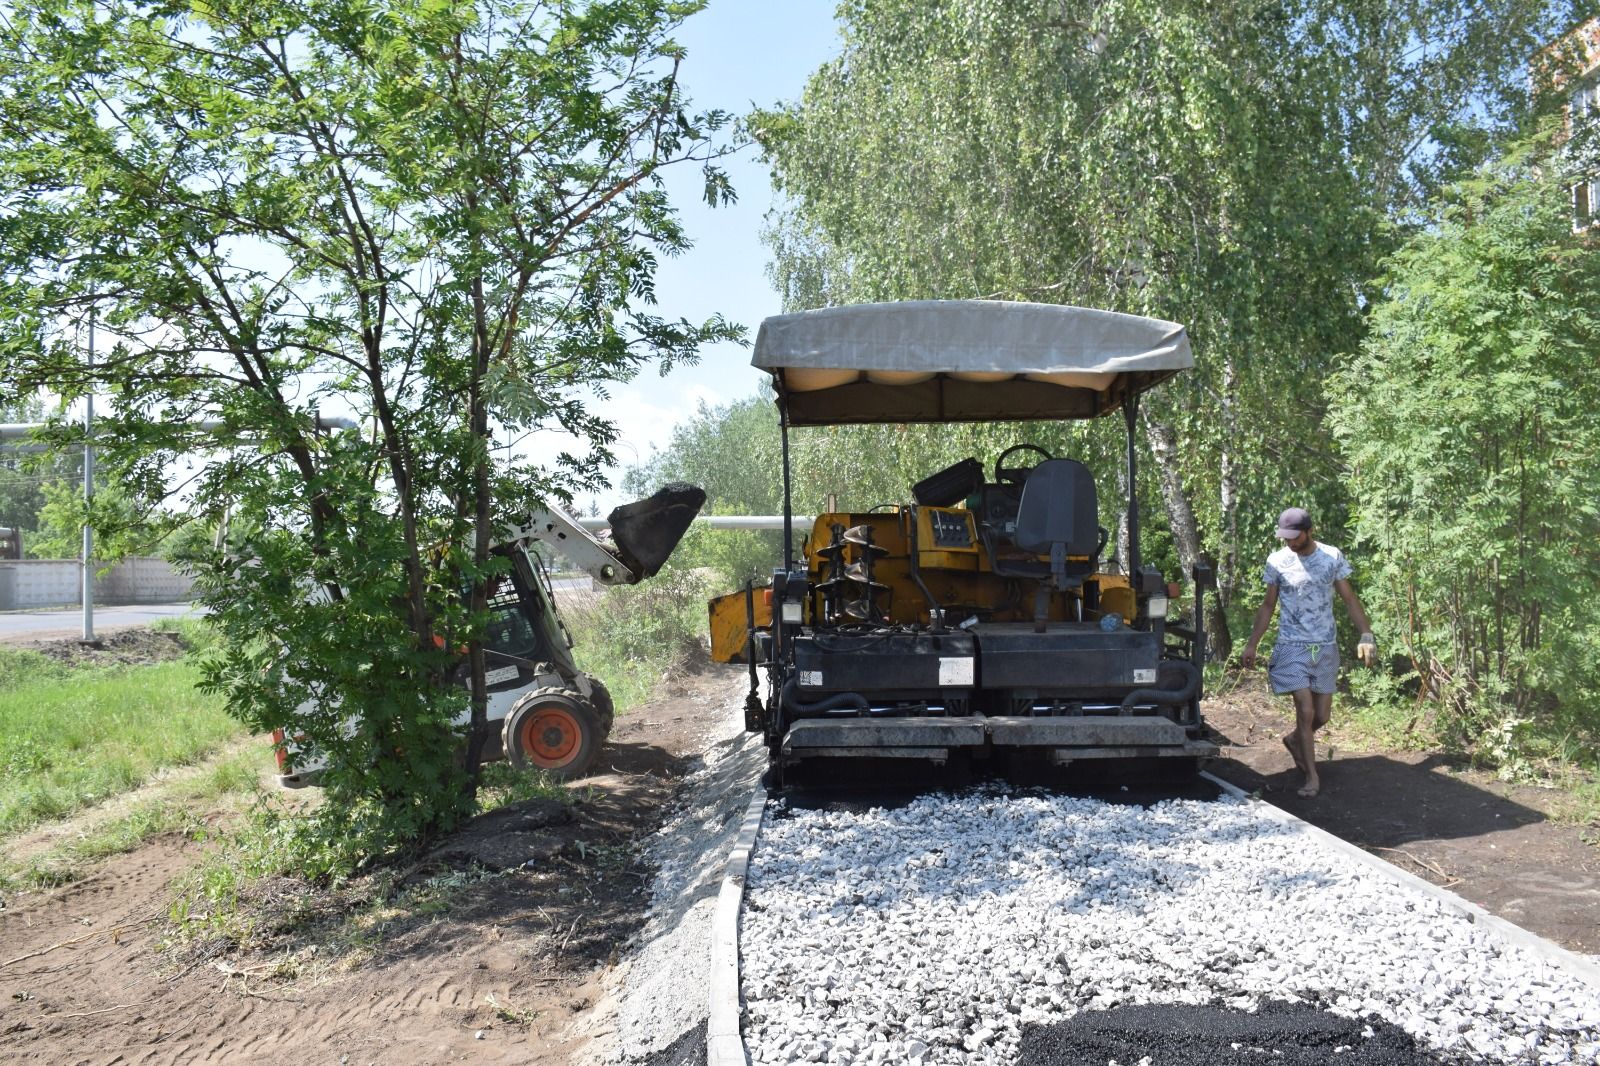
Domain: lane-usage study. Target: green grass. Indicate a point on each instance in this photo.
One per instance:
(198, 634)
(503, 785)
(177, 809)
(70, 738)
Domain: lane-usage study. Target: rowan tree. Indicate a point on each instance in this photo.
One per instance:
(416, 212)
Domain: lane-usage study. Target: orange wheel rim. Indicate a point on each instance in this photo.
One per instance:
(551, 737)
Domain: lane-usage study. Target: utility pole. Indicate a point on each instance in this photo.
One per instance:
(88, 494)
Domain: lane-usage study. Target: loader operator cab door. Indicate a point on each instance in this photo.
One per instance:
(523, 628)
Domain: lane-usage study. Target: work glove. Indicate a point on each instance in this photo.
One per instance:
(1367, 650)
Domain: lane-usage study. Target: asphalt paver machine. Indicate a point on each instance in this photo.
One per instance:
(984, 616)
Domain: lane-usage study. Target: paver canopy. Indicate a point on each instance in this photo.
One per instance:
(963, 361)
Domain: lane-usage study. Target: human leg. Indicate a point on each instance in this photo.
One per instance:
(1324, 708)
(1305, 717)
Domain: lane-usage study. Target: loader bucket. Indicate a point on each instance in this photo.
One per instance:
(646, 531)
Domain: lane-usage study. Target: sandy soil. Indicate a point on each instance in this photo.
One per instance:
(512, 968)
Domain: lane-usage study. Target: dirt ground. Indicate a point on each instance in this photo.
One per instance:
(1486, 840)
(503, 970)
(124, 647)
(510, 967)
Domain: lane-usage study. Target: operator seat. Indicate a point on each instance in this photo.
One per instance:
(1057, 516)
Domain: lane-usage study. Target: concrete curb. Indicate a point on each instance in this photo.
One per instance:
(1552, 954)
(724, 1043)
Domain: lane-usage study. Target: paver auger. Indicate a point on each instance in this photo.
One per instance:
(984, 616)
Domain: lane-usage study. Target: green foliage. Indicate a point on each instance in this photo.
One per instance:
(1470, 423)
(1231, 167)
(735, 556)
(633, 636)
(180, 804)
(409, 214)
(25, 476)
(503, 785)
(734, 452)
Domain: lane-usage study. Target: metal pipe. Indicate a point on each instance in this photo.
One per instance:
(837, 702)
(1182, 694)
(935, 608)
(716, 521)
(24, 431)
(788, 503)
(88, 494)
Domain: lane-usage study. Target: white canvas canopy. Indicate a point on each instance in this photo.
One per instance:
(963, 361)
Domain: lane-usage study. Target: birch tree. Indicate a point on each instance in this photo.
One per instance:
(1234, 167)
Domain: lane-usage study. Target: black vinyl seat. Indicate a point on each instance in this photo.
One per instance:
(1058, 516)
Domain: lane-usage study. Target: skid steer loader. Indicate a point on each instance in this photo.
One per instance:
(983, 616)
(546, 713)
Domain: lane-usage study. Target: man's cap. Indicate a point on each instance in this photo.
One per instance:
(1293, 522)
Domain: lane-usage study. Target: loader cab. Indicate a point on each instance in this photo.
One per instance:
(523, 624)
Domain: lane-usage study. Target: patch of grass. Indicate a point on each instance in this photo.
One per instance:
(70, 738)
(198, 634)
(503, 784)
(20, 667)
(64, 864)
(632, 636)
(248, 894)
(509, 1012)
(178, 809)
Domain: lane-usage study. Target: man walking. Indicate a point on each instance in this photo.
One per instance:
(1303, 576)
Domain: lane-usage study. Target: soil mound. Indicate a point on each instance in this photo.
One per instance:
(129, 647)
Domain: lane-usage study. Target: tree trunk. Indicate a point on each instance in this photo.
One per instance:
(1122, 518)
(482, 519)
(1185, 530)
(1228, 564)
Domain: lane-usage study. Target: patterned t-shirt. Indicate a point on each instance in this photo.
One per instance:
(1305, 592)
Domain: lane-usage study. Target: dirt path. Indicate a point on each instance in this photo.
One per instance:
(508, 968)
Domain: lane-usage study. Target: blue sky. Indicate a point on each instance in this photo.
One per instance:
(740, 53)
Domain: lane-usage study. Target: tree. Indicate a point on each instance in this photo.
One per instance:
(26, 476)
(1470, 422)
(418, 212)
(1231, 167)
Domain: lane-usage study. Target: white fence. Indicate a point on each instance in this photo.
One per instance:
(26, 583)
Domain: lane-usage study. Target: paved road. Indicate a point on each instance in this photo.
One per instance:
(31, 625)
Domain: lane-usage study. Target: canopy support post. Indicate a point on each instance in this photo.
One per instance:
(788, 502)
(1130, 416)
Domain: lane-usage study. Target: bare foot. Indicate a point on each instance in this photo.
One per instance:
(1294, 752)
(1308, 791)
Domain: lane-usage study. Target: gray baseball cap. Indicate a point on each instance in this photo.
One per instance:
(1293, 522)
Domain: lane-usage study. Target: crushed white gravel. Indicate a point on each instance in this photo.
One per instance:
(934, 932)
(660, 991)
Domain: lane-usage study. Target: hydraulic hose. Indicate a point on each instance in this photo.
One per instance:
(838, 701)
(1191, 685)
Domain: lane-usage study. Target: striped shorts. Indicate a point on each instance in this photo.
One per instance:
(1297, 666)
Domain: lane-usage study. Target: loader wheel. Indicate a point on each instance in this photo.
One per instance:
(600, 696)
(552, 729)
